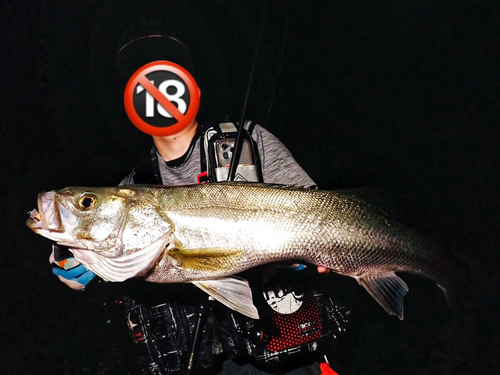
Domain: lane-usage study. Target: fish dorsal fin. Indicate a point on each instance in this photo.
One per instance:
(233, 292)
(212, 259)
(377, 197)
(388, 289)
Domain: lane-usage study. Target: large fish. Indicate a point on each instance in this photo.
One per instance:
(205, 233)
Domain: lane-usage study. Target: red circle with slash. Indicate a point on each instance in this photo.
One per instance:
(140, 80)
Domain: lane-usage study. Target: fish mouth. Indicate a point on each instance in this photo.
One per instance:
(47, 217)
(52, 220)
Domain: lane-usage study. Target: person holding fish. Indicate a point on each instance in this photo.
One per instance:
(162, 249)
(298, 324)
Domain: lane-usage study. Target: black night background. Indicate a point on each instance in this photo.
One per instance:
(396, 94)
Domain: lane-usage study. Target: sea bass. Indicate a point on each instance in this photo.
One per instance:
(203, 234)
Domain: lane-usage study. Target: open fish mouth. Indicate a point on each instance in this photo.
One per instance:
(35, 219)
(48, 215)
(53, 220)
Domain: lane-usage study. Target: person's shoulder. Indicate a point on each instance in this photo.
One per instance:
(261, 134)
(256, 128)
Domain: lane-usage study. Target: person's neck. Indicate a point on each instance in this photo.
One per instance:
(174, 146)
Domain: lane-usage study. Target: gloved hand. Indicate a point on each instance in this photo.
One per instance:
(68, 269)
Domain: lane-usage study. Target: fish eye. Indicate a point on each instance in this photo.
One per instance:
(87, 201)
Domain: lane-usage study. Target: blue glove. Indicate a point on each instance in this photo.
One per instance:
(292, 266)
(68, 269)
(298, 266)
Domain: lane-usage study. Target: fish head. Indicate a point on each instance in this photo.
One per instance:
(103, 225)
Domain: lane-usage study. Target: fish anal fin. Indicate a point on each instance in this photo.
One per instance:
(233, 292)
(213, 259)
(388, 289)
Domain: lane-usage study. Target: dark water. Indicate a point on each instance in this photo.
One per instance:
(402, 95)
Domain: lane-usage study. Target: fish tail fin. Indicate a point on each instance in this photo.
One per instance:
(451, 297)
(451, 284)
(455, 280)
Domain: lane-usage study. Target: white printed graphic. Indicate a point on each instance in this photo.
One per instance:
(175, 98)
(283, 301)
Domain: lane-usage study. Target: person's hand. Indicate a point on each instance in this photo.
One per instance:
(322, 269)
(68, 269)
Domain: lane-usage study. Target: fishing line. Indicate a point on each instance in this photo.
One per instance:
(239, 138)
(279, 65)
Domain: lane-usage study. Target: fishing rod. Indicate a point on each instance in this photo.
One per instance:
(238, 145)
(280, 64)
(205, 307)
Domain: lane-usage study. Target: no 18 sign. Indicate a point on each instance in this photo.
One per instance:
(161, 98)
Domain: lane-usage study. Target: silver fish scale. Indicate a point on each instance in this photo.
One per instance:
(270, 224)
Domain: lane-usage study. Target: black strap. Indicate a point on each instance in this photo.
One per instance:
(148, 171)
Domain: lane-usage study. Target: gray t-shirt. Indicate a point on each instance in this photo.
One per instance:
(278, 164)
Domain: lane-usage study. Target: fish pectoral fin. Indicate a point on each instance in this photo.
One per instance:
(213, 259)
(233, 292)
(388, 289)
